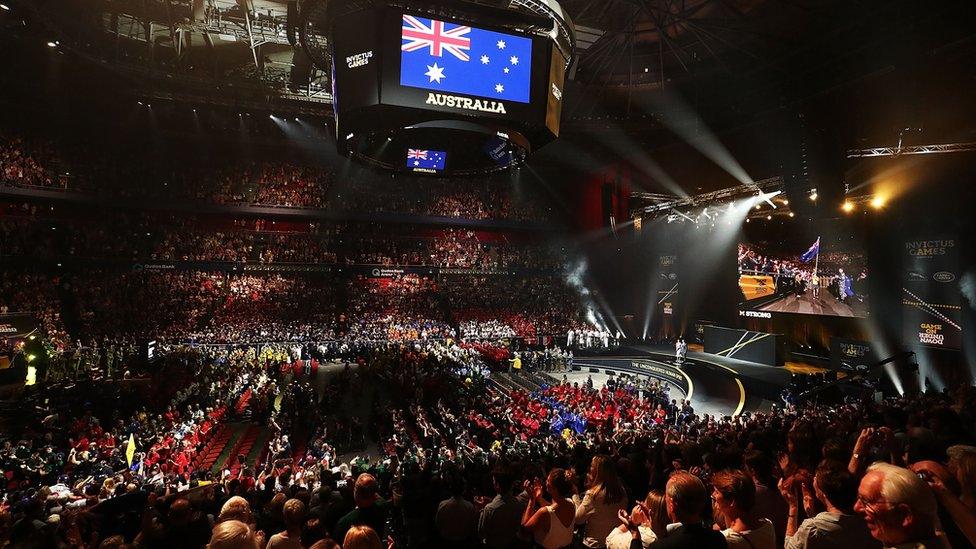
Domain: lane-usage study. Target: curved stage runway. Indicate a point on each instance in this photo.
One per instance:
(716, 385)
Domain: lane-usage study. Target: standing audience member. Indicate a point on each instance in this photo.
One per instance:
(604, 498)
(838, 526)
(370, 508)
(500, 519)
(290, 538)
(686, 499)
(899, 508)
(734, 499)
(456, 519)
(551, 524)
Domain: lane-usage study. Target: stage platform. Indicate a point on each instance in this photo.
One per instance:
(718, 385)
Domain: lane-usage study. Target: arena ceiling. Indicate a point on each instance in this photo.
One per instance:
(728, 62)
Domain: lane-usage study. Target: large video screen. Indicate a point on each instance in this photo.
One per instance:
(449, 57)
(824, 274)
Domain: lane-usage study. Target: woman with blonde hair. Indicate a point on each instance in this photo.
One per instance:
(233, 534)
(604, 498)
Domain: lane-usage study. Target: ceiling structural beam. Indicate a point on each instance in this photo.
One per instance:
(665, 203)
(944, 148)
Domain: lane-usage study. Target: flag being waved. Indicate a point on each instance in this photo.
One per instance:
(812, 253)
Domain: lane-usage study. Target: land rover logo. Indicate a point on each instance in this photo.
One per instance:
(943, 276)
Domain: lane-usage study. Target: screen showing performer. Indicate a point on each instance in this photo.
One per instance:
(821, 275)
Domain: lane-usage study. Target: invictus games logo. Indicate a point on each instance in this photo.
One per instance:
(668, 260)
(852, 350)
(359, 59)
(929, 248)
(466, 103)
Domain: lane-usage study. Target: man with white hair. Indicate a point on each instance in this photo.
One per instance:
(899, 508)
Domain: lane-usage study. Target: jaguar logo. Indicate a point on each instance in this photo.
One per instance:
(943, 276)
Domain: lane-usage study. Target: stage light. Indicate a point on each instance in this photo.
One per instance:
(5, 7)
(877, 202)
(758, 207)
(791, 214)
(813, 194)
(140, 103)
(52, 44)
(848, 207)
(747, 220)
(769, 217)
(31, 357)
(786, 202)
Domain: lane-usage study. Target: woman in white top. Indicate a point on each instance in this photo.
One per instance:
(733, 499)
(551, 524)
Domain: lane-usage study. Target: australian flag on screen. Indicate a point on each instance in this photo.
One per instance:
(445, 57)
(813, 252)
(426, 160)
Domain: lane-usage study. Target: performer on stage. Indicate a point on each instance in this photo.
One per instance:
(680, 350)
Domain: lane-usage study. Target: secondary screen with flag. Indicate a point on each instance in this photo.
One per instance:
(448, 57)
(792, 270)
(426, 160)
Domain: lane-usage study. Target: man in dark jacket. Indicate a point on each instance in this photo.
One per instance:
(686, 498)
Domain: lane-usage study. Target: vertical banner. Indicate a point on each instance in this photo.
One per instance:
(931, 300)
(667, 294)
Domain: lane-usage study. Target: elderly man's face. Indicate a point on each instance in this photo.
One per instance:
(887, 521)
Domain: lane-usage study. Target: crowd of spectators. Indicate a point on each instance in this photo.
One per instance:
(165, 237)
(466, 462)
(294, 184)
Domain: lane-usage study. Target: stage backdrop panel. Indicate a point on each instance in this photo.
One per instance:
(931, 299)
(743, 345)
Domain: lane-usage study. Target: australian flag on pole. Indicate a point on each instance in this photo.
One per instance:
(813, 252)
(446, 57)
(425, 159)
